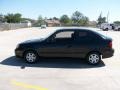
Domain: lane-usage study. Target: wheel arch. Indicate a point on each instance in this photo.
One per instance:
(94, 51)
(33, 50)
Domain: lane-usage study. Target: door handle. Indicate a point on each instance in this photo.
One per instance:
(69, 46)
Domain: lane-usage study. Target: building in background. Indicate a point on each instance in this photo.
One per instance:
(52, 23)
(92, 23)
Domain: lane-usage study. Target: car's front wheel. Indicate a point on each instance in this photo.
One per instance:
(106, 29)
(94, 58)
(31, 56)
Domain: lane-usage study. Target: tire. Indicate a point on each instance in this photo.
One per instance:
(31, 57)
(118, 29)
(94, 58)
(106, 29)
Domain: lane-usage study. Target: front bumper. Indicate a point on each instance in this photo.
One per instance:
(19, 53)
(108, 53)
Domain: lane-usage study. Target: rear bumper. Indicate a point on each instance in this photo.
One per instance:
(108, 53)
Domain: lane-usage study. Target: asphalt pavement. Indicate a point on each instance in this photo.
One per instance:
(55, 73)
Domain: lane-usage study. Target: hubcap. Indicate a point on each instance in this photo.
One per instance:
(30, 57)
(94, 58)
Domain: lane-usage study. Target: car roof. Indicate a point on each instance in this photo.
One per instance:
(60, 29)
(76, 28)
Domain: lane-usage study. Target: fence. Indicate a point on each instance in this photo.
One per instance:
(10, 26)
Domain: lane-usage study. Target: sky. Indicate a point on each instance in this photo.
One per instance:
(50, 8)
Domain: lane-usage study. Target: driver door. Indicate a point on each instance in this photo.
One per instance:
(58, 45)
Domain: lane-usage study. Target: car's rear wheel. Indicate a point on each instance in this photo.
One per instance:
(93, 58)
(106, 29)
(30, 56)
(118, 29)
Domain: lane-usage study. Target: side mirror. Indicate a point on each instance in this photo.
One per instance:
(51, 40)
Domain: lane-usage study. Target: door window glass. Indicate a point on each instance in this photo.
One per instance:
(67, 34)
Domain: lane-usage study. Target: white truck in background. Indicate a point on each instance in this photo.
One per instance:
(117, 28)
(108, 26)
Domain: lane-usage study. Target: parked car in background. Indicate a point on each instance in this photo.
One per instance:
(107, 26)
(69, 42)
(43, 26)
(117, 28)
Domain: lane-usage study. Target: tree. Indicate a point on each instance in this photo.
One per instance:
(2, 19)
(76, 17)
(55, 18)
(28, 19)
(13, 18)
(65, 19)
(17, 18)
(40, 21)
(79, 19)
(84, 21)
(101, 19)
(117, 22)
(9, 18)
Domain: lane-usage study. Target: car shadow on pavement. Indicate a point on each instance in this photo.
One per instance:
(68, 63)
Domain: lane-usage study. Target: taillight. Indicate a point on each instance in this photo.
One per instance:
(110, 44)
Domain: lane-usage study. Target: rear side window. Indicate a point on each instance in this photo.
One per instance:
(82, 34)
(87, 37)
(100, 35)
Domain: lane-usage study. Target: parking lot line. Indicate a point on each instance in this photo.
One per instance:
(27, 86)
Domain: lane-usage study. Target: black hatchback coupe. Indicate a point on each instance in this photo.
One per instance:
(68, 42)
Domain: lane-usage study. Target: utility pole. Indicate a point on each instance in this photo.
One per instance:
(108, 17)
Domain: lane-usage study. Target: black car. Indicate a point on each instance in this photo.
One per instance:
(71, 42)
